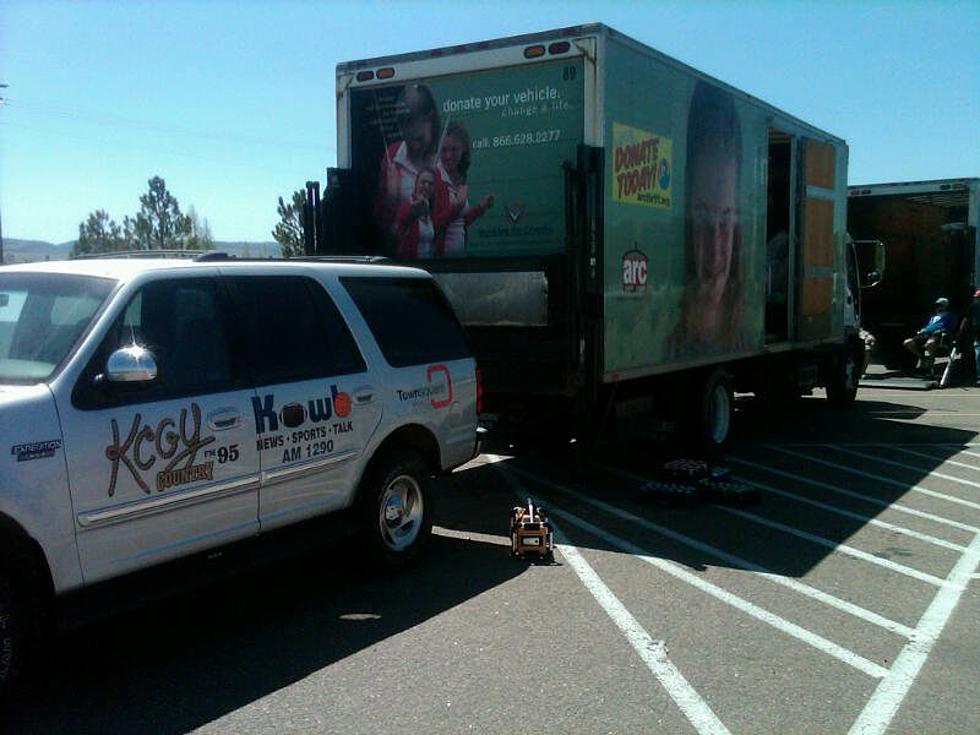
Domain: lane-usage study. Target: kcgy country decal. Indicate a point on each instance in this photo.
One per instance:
(328, 414)
(438, 391)
(170, 441)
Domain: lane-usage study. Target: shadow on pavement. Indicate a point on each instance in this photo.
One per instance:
(177, 665)
(806, 423)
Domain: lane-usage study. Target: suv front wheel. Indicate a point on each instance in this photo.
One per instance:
(396, 510)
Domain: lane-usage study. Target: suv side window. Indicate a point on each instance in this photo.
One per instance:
(410, 318)
(295, 332)
(185, 324)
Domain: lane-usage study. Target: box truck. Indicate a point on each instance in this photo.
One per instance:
(929, 232)
(621, 234)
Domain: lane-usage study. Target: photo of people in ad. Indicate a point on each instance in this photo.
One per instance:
(469, 164)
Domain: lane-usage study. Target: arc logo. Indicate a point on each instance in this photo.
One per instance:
(635, 271)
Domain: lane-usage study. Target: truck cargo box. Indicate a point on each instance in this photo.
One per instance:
(599, 213)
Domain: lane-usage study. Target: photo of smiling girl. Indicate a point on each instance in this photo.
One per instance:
(711, 304)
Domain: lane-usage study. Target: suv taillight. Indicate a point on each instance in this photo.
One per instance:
(479, 391)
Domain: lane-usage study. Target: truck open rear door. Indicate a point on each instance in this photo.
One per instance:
(816, 316)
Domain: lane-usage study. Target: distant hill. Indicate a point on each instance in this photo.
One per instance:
(29, 251)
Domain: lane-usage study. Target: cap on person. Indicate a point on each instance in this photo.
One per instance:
(942, 302)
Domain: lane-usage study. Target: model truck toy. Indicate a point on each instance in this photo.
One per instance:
(932, 250)
(621, 234)
(530, 531)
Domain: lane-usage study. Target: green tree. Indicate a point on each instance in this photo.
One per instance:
(160, 225)
(99, 234)
(289, 231)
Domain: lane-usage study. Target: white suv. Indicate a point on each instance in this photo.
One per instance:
(157, 408)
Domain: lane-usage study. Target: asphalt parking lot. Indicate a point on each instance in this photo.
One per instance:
(844, 600)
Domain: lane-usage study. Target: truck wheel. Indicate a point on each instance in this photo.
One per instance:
(396, 510)
(713, 418)
(843, 384)
(13, 634)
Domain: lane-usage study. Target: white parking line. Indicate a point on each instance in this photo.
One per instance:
(878, 478)
(836, 546)
(733, 559)
(888, 696)
(912, 467)
(860, 496)
(943, 460)
(970, 454)
(863, 518)
(653, 653)
(761, 614)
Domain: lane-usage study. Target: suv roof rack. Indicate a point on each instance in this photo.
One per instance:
(214, 255)
(196, 254)
(369, 259)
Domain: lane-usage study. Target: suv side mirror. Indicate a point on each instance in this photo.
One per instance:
(132, 364)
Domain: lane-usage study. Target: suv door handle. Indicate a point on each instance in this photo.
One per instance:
(224, 418)
(363, 396)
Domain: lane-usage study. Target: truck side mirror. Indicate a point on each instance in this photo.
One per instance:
(871, 262)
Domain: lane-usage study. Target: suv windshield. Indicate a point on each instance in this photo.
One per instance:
(41, 318)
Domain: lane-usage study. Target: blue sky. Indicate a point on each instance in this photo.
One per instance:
(233, 102)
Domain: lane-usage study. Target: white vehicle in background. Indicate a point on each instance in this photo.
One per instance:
(154, 409)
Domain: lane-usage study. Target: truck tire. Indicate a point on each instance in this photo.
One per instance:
(846, 374)
(712, 426)
(395, 509)
(13, 633)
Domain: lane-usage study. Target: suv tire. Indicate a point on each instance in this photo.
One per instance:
(396, 510)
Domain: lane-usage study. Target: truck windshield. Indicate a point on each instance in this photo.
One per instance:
(41, 318)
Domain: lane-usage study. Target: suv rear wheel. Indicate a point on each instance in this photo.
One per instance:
(396, 510)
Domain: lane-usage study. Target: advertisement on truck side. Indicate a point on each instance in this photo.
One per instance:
(469, 165)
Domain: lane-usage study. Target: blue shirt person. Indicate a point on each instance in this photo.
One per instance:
(923, 344)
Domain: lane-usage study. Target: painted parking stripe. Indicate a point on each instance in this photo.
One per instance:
(733, 559)
(813, 538)
(903, 465)
(653, 653)
(933, 457)
(878, 478)
(792, 629)
(863, 518)
(891, 691)
(839, 547)
(860, 496)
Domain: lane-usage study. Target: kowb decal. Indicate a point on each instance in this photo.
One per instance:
(293, 414)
